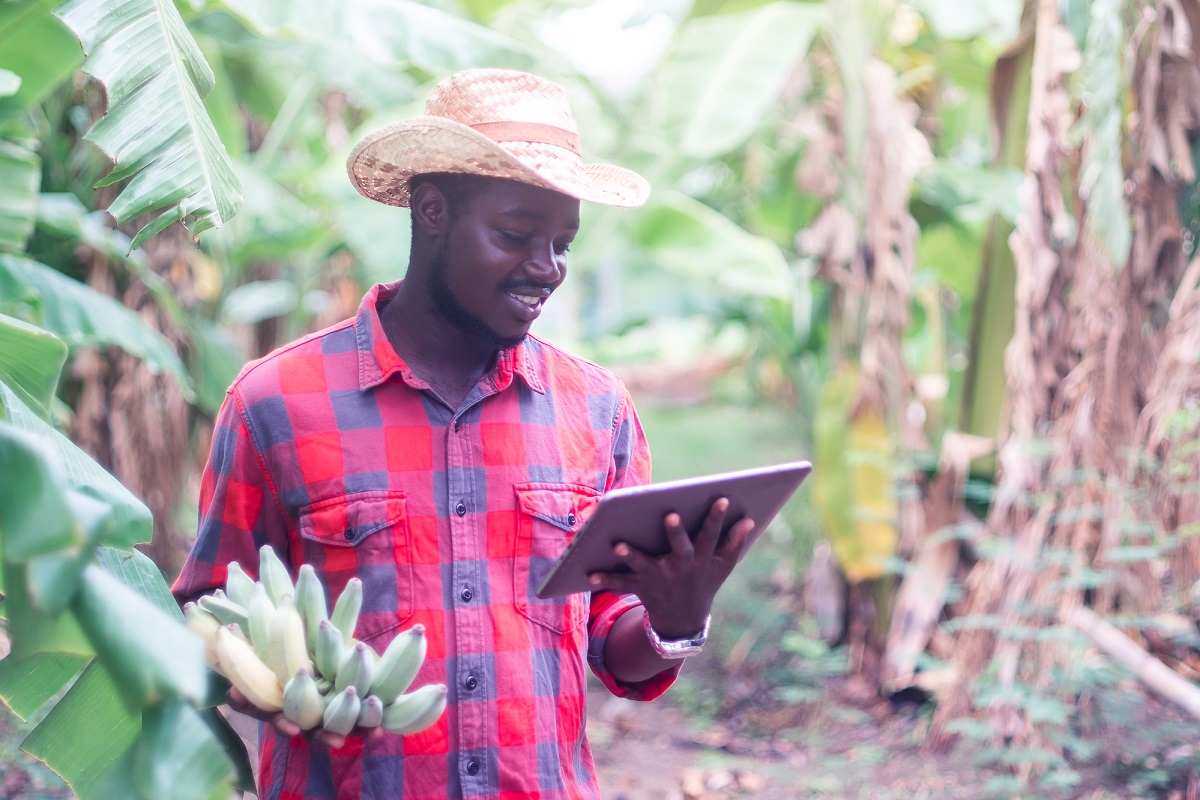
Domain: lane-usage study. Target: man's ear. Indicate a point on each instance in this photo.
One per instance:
(430, 208)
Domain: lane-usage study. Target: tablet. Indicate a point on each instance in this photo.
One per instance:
(635, 515)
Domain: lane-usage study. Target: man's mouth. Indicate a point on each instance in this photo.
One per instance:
(531, 300)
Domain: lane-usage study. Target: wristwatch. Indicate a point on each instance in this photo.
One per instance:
(675, 648)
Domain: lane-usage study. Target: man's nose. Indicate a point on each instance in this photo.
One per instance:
(546, 265)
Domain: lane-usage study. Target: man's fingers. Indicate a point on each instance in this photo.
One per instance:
(710, 531)
(285, 726)
(735, 540)
(677, 536)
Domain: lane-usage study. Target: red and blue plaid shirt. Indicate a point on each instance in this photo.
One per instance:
(333, 452)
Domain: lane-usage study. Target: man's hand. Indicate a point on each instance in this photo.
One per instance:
(677, 589)
(284, 726)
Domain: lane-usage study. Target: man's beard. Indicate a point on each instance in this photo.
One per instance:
(448, 307)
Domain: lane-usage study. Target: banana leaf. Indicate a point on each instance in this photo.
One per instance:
(36, 48)
(82, 316)
(156, 129)
(724, 74)
(852, 480)
(20, 177)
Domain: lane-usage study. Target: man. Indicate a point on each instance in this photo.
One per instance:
(434, 449)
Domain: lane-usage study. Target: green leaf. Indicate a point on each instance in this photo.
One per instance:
(156, 129)
(31, 360)
(217, 360)
(20, 177)
(149, 652)
(725, 72)
(131, 522)
(259, 300)
(27, 683)
(135, 569)
(85, 732)
(697, 242)
(83, 316)
(33, 631)
(34, 517)
(37, 48)
(10, 82)
(178, 757)
(62, 214)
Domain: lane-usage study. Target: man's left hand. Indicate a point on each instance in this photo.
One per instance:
(677, 589)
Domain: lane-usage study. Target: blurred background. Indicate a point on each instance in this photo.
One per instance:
(945, 250)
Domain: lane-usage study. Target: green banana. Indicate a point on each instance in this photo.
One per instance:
(416, 710)
(310, 602)
(238, 585)
(330, 647)
(302, 701)
(286, 649)
(259, 611)
(370, 714)
(202, 622)
(345, 611)
(245, 670)
(355, 670)
(274, 575)
(399, 664)
(224, 609)
(341, 715)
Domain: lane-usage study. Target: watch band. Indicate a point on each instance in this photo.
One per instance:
(675, 648)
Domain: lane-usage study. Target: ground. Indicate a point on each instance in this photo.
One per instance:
(835, 747)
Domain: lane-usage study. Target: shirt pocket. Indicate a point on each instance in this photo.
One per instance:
(548, 516)
(364, 535)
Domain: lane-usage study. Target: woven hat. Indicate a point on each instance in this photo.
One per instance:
(492, 122)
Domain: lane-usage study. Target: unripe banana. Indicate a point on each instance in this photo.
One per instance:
(355, 670)
(273, 574)
(399, 664)
(416, 710)
(259, 611)
(310, 602)
(302, 701)
(201, 622)
(345, 611)
(330, 649)
(324, 686)
(370, 714)
(224, 609)
(341, 715)
(287, 651)
(247, 672)
(238, 585)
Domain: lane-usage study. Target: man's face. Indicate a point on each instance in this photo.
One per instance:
(503, 254)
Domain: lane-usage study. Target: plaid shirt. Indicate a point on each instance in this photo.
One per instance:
(333, 452)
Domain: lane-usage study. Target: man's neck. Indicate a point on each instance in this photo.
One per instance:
(450, 360)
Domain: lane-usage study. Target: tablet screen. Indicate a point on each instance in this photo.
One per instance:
(635, 515)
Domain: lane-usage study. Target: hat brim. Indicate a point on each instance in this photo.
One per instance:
(381, 165)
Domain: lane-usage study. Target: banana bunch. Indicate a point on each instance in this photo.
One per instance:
(275, 642)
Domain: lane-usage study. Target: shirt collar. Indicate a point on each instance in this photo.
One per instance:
(378, 360)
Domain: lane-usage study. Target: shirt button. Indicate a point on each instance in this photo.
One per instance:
(472, 767)
(460, 509)
(466, 595)
(471, 682)
(571, 519)
(348, 534)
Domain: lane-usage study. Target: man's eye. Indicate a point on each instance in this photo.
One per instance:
(516, 237)
(562, 249)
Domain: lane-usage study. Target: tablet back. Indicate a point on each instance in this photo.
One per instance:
(635, 515)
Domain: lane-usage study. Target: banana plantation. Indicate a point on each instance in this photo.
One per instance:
(945, 250)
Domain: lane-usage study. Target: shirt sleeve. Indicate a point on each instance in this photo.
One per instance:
(239, 510)
(630, 466)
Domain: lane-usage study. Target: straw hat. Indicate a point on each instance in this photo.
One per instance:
(492, 122)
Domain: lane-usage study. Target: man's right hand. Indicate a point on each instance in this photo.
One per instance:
(285, 727)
